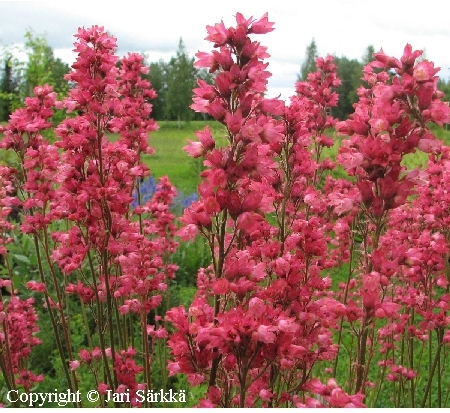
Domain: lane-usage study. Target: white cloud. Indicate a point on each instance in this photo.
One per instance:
(344, 28)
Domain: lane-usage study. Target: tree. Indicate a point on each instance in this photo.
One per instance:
(7, 87)
(20, 77)
(444, 86)
(59, 70)
(368, 56)
(42, 66)
(40, 55)
(181, 78)
(350, 72)
(309, 64)
(158, 78)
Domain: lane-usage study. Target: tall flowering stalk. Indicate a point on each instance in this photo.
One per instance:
(391, 120)
(418, 273)
(39, 162)
(265, 321)
(262, 315)
(117, 265)
(237, 182)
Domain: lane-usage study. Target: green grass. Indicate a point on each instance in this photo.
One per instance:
(183, 171)
(170, 159)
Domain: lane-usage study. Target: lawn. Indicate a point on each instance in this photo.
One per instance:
(169, 157)
(184, 172)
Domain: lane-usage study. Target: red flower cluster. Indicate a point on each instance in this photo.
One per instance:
(17, 337)
(272, 313)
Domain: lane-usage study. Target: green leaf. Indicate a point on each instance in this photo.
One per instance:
(25, 242)
(21, 258)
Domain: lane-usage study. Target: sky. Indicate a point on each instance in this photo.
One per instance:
(339, 27)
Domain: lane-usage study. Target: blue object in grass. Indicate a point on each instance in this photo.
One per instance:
(148, 189)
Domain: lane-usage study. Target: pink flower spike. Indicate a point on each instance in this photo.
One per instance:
(85, 356)
(264, 334)
(195, 149)
(409, 57)
(5, 283)
(262, 25)
(189, 232)
(205, 137)
(240, 19)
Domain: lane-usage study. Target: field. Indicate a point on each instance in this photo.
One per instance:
(169, 157)
(183, 171)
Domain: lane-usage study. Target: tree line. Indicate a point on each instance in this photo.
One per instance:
(21, 69)
(24, 68)
(173, 82)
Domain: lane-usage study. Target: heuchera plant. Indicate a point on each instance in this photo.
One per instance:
(272, 314)
(390, 121)
(265, 327)
(269, 325)
(116, 264)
